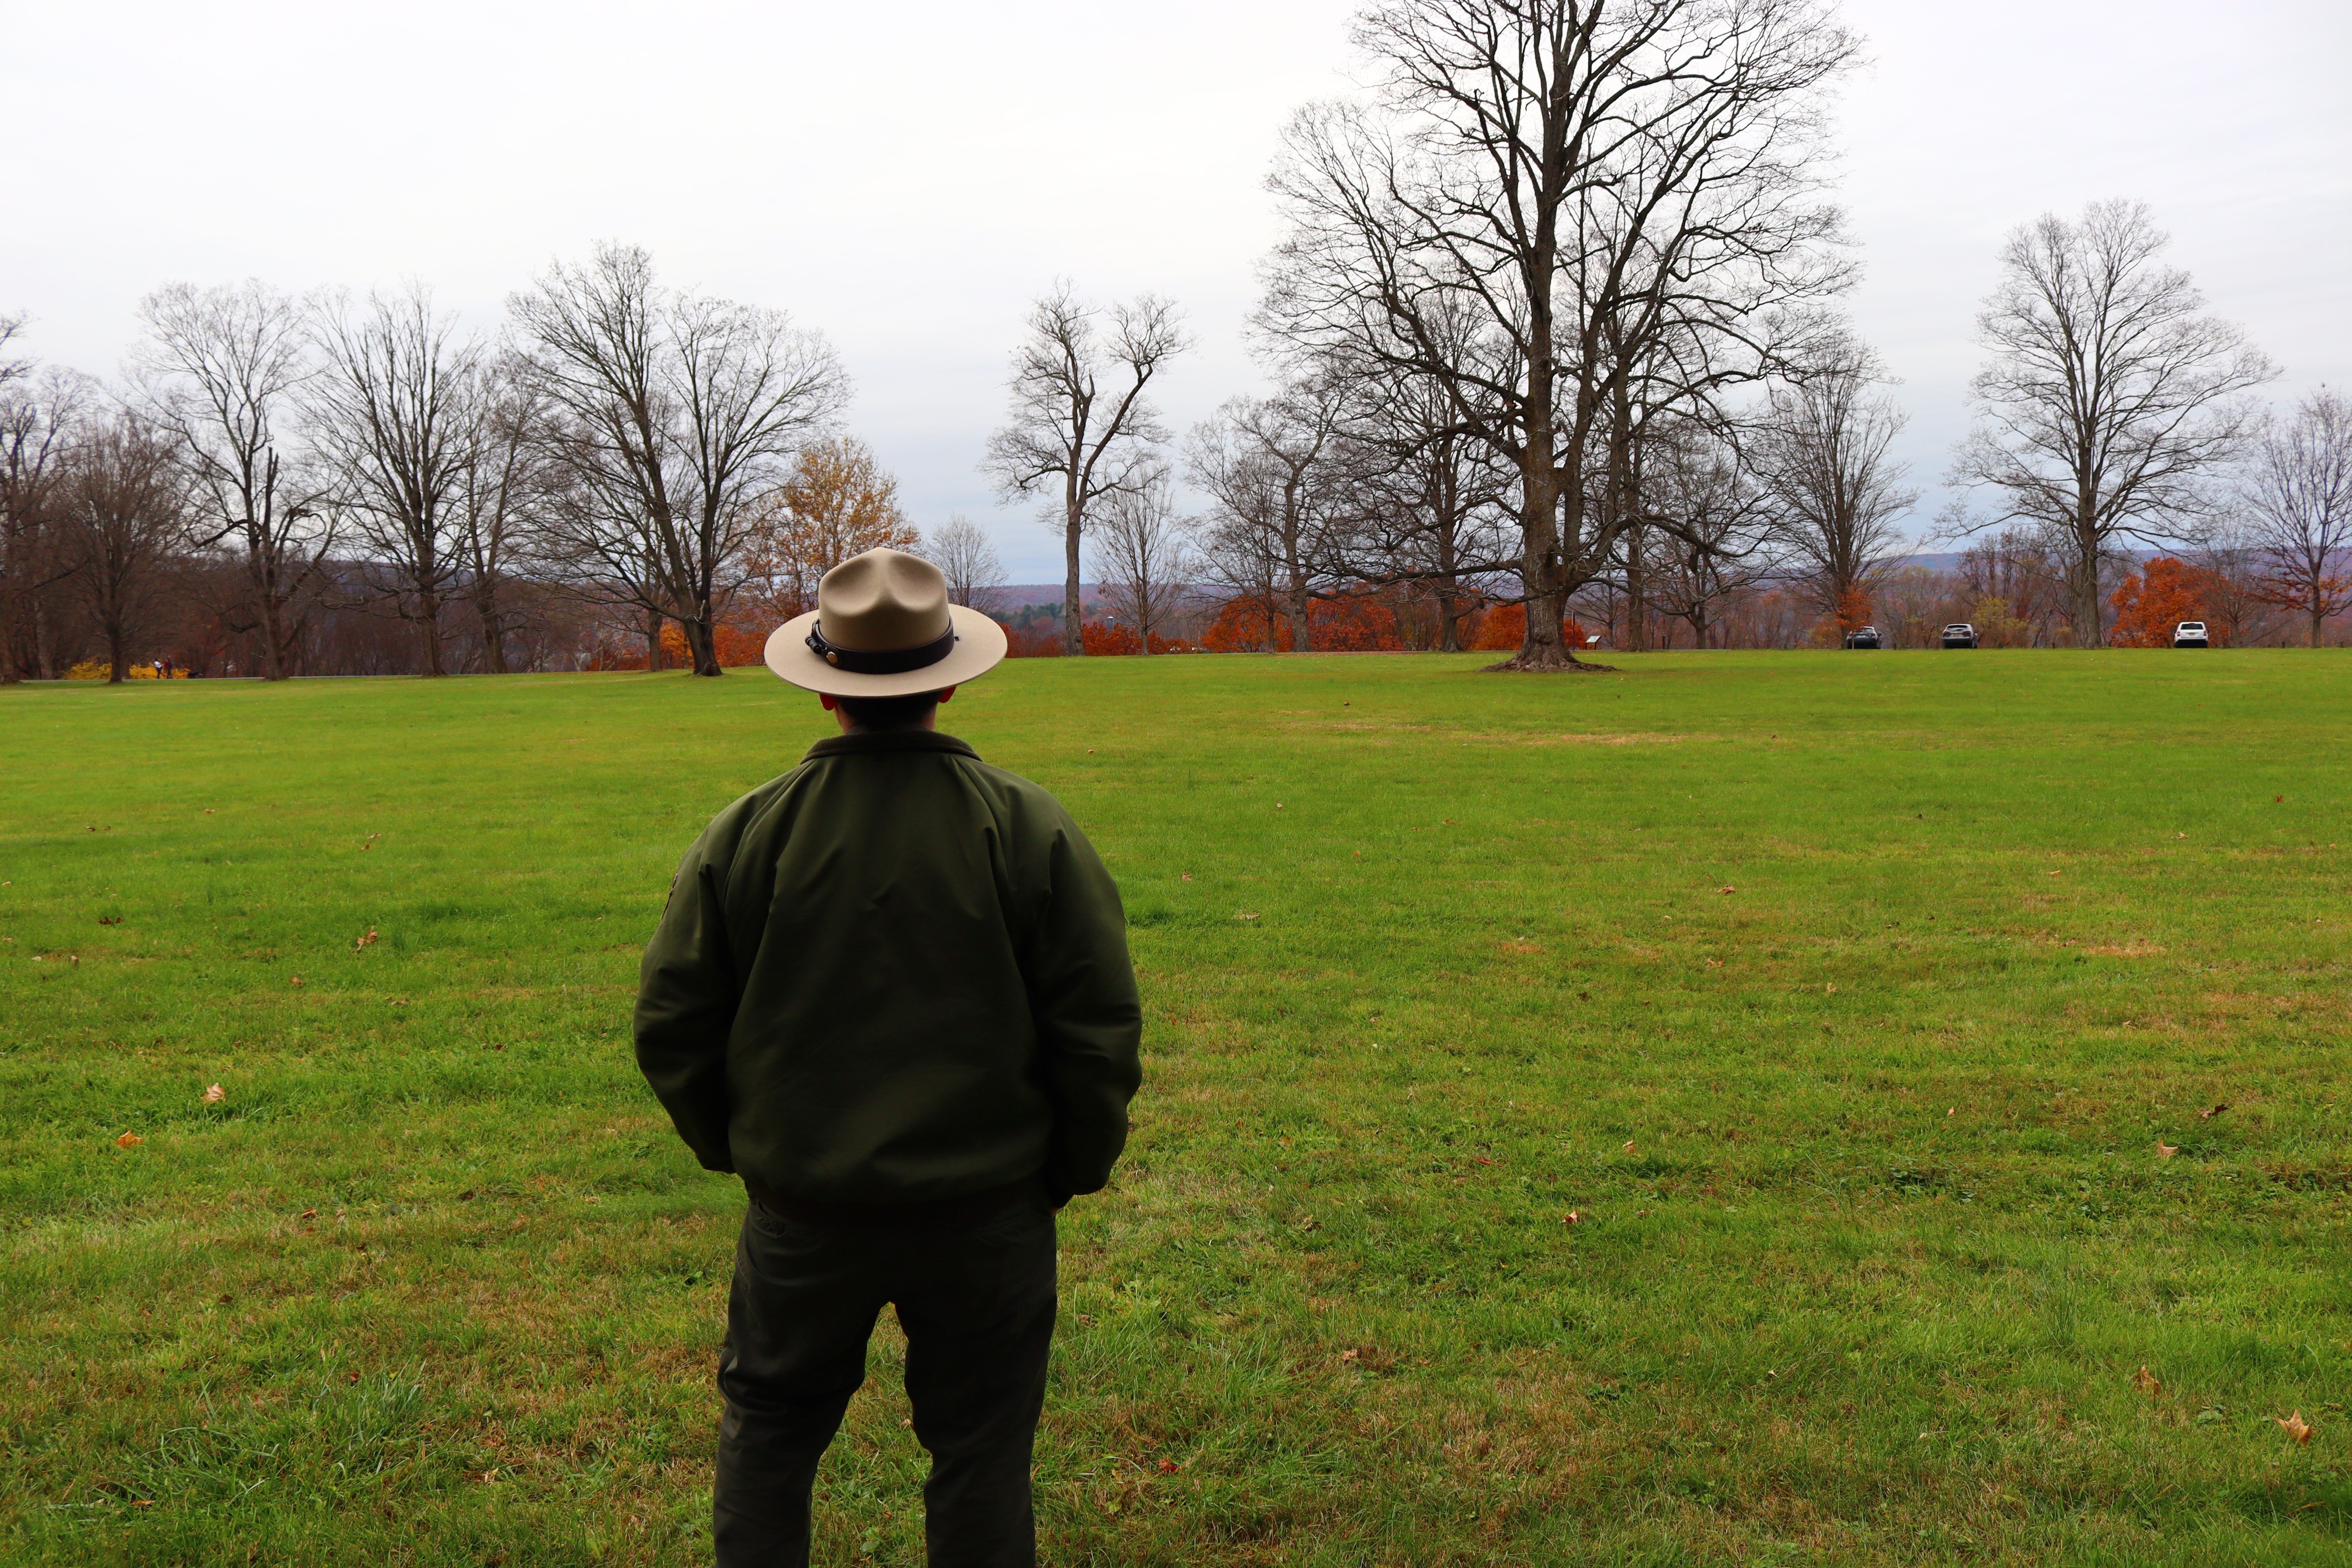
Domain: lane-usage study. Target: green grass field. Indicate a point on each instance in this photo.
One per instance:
(1845, 999)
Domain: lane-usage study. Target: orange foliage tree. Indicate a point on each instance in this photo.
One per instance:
(1350, 622)
(2147, 610)
(736, 644)
(1853, 610)
(1504, 629)
(838, 502)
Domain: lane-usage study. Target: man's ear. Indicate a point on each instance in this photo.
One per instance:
(827, 698)
(946, 693)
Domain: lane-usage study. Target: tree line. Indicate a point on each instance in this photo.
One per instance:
(1555, 326)
(1555, 336)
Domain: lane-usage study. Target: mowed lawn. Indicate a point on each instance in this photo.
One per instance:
(1709, 1113)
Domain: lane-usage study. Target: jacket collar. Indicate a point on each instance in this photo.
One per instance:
(874, 740)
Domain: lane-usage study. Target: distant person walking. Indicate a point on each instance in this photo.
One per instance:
(891, 990)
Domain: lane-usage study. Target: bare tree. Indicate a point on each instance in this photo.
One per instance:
(1079, 414)
(964, 552)
(125, 518)
(41, 415)
(1423, 500)
(221, 369)
(2016, 571)
(2298, 498)
(671, 412)
(1141, 560)
(1819, 453)
(503, 496)
(399, 420)
(2110, 402)
(1710, 523)
(1602, 190)
(1270, 467)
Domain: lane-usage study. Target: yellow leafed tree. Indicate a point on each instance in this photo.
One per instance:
(837, 503)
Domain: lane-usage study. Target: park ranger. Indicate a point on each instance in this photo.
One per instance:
(892, 992)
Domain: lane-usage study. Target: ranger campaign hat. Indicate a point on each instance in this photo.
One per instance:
(883, 628)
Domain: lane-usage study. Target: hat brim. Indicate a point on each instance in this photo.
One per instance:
(979, 649)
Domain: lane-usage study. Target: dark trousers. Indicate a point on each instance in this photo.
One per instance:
(977, 1304)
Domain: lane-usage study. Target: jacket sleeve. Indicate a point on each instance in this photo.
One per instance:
(687, 995)
(1089, 1020)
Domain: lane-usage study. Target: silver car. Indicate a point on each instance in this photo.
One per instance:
(1960, 634)
(2190, 634)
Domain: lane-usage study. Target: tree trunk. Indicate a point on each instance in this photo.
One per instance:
(702, 645)
(494, 631)
(273, 646)
(2318, 615)
(1073, 613)
(1637, 594)
(428, 626)
(654, 657)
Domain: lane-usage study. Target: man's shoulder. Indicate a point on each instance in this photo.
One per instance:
(1024, 797)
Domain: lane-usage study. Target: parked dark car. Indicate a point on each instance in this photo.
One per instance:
(2190, 634)
(1862, 637)
(1960, 634)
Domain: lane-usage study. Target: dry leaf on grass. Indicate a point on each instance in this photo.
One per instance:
(2209, 1115)
(2295, 1426)
(1571, 1217)
(213, 1094)
(129, 1141)
(363, 943)
(296, 982)
(2147, 1383)
(310, 1214)
(2164, 1151)
(1628, 1145)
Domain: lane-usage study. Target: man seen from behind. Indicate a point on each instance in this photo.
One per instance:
(892, 992)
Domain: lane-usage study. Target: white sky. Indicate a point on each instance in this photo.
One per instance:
(907, 178)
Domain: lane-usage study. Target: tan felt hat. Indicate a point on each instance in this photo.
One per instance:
(883, 628)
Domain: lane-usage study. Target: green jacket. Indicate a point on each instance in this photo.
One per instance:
(892, 975)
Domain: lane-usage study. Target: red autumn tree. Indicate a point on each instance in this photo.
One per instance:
(1853, 610)
(2147, 609)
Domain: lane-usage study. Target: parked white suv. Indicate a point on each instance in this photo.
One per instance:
(1960, 634)
(2190, 634)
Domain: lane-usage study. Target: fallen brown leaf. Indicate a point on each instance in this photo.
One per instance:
(2209, 1115)
(2295, 1426)
(129, 1141)
(296, 982)
(2145, 1382)
(213, 1094)
(1571, 1217)
(1628, 1145)
(2164, 1151)
(310, 1214)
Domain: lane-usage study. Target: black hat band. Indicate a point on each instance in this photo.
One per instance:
(889, 661)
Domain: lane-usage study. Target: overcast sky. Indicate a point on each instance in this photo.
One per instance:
(906, 179)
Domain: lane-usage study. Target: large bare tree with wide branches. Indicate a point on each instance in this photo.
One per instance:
(1618, 197)
(2112, 403)
(670, 413)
